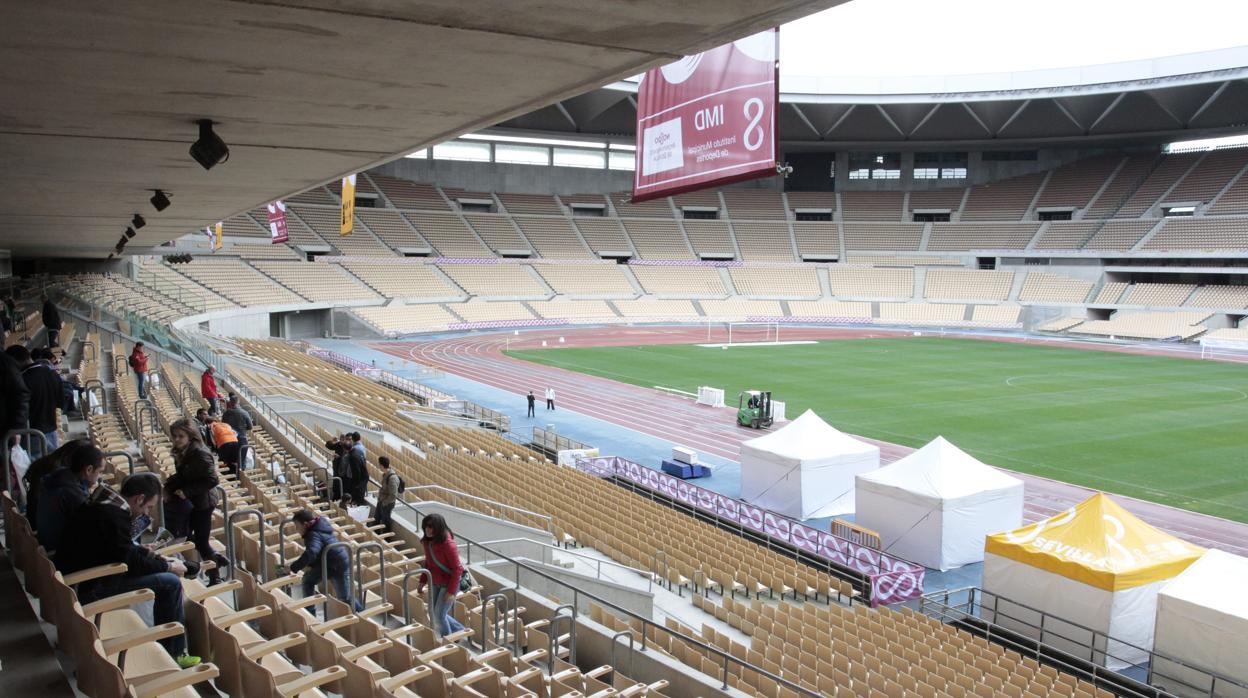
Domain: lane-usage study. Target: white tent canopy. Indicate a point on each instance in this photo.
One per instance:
(805, 470)
(1202, 620)
(935, 506)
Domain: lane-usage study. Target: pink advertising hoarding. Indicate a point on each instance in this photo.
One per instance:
(708, 119)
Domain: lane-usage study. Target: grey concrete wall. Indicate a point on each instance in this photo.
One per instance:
(304, 324)
(252, 326)
(470, 524)
(635, 600)
(503, 177)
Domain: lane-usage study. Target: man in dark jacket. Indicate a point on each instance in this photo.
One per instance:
(52, 321)
(42, 467)
(318, 535)
(99, 533)
(64, 490)
(15, 404)
(237, 417)
(357, 486)
(46, 393)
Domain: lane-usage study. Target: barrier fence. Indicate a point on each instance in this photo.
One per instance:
(892, 580)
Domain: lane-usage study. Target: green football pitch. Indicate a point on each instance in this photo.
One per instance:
(1169, 430)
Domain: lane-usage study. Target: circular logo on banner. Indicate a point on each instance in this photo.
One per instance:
(681, 70)
(760, 47)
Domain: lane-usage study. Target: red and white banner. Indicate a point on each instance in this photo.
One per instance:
(708, 119)
(277, 222)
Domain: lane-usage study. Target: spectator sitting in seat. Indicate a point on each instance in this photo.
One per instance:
(318, 535)
(33, 479)
(99, 533)
(64, 490)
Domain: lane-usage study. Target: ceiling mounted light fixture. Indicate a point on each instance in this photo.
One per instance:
(160, 200)
(209, 151)
(137, 222)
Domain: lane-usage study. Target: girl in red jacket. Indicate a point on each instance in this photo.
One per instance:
(445, 570)
(208, 390)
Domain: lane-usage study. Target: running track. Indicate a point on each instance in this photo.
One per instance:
(479, 357)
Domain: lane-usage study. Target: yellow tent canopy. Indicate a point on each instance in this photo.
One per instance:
(1099, 543)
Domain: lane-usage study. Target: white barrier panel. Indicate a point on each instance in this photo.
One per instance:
(777, 411)
(713, 397)
(570, 456)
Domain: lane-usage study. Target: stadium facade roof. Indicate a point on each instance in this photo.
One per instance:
(1139, 102)
(102, 98)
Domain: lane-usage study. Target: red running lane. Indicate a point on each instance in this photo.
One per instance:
(479, 357)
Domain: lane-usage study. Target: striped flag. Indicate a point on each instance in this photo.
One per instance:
(277, 222)
(217, 240)
(348, 205)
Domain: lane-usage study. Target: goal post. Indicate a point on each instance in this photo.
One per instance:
(753, 333)
(1224, 349)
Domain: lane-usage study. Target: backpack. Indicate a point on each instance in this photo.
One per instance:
(402, 485)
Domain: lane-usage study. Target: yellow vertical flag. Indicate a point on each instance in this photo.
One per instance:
(348, 204)
(216, 240)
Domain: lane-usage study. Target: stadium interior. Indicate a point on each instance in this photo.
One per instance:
(491, 146)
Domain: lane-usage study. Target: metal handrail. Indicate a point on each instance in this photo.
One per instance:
(229, 539)
(144, 406)
(407, 601)
(649, 576)
(359, 565)
(554, 635)
(499, 615)
(125, 454)
(93, 385)
(632, 649)
(550, 521)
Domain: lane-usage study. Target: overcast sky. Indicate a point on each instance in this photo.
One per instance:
(949, 37)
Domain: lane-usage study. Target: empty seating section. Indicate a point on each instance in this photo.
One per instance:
(698, 199)
(553, 238)
(937, 199)
(238, 282)
(995, 315)
(1005, 200)
(406, 194)
(1149, 325)
(754, 204)
(710, 237)
(655, 208)
(173, 285)
(849, 282)
(406, 319)
(922, 313)
(643, 308)
(763, 242)
(391, 227)
(1119, 235)
(362, 186)
(1219, 297)
(1172, 167)
(657, 239)
(587, 279)
(1200, 234)
(498, 232)
(448, 234)
(1233, 200)
(1066, 235)
(318, 281)
(564, 309)
(261, 251)
(776, 281)
(1061, 324)
(957, 284)
(530, 203)
(1121, 185)
(984, 236)
(243, 226)
(326, 222)
(1075, 183)
(403, 279)
(315, 195)
(1042, 287)
(679, 281)
(297, 232)
(819, 238)
(1110, 293)
(832, 309)
(882, 236)
(495, 279)
(1210, 176)
(822, 201)
(603, 234)
(740, 309)
(870, 205)
(1157, 294)
(1239, 334)
(490, 311)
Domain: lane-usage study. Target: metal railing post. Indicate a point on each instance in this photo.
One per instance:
(325, 552)
(407, 602)
(359, 565)
(554, 635)
(229, 539)
(87, 388)
(632, 649)
(485, 616)
(129, 458)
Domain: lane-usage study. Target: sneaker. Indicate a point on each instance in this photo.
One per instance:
(187, 661)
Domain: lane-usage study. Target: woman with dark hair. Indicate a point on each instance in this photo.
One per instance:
(193, 485)
(445, 570)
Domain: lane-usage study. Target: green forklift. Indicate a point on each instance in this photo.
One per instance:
(754, 409)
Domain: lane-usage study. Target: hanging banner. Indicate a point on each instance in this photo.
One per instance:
(217, 240)
(277, 222)
(212, 237)
(708, 119)
(348, 205)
